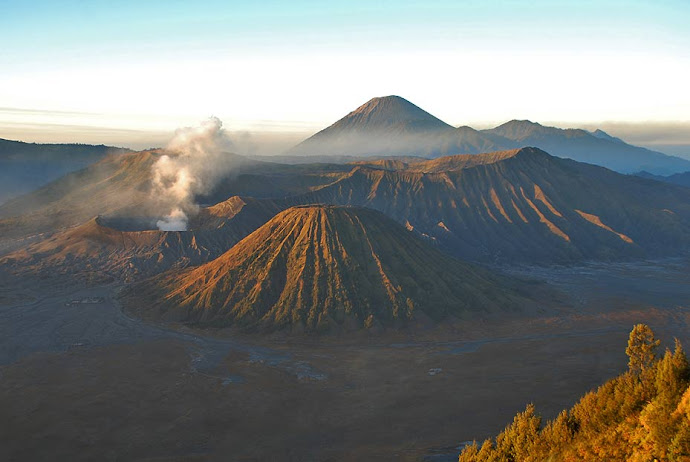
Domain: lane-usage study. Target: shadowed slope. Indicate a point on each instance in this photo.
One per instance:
(322, 267)
(116, 184)
(121, 186)
(681, 179)
(26, 166)
(596, 148)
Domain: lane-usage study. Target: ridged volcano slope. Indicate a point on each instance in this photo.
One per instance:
(521, 206)
(323, 268)
(117, 248)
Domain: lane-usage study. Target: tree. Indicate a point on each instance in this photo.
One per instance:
(662, 418)
(518, 441)
(640, 416)
(641, 349)
(469, 453)
(559, 432)
(679, 449)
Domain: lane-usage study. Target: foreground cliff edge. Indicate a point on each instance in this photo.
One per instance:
(641, 415)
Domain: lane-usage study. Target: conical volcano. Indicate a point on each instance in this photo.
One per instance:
(324, 268)
(389, 112)
(392, 126)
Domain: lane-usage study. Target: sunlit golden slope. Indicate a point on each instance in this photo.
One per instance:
(322, 268)
(521, 205)
(642, 415)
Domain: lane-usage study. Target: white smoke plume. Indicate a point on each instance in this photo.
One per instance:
(199, 158)
(176, 220)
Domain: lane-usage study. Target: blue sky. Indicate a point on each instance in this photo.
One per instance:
(55, 29)
(147, 67)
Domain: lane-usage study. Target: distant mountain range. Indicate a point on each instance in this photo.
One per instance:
(511, 206)
(598, 148)
(392, 126)
(26, 166)
(381, 128)
(682, 179)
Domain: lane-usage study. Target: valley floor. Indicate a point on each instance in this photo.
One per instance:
(80, 380)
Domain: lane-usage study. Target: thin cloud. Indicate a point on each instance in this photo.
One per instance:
(21, 110)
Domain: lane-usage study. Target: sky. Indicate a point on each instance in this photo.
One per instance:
(130, 72)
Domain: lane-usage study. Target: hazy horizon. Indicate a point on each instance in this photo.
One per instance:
(672, 138)
(130, 74)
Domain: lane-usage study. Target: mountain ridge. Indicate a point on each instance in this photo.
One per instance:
(521, 205)
(682, 179)
(492, 207)
(583, 146)
(393, 126)
(27, 166)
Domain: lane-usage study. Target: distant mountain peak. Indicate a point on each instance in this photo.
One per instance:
(602, 135)
(523, 122)
(466, 128)
(517, 127)
(386, 125)
(391, 126)
(386, 111)
(597, 147)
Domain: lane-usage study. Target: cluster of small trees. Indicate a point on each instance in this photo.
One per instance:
(642, 415)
